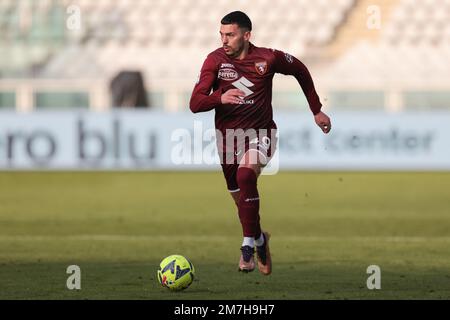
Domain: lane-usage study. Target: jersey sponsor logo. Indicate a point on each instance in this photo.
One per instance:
(244, 84)
(261, 67)
(226, 65)
(288, 57)
(228, 74)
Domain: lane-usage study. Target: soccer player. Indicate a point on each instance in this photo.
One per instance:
(236, 81)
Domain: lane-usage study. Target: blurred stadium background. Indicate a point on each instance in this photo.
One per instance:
(382, 70)
(49, 60)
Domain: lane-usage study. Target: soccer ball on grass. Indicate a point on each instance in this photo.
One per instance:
(176, 272)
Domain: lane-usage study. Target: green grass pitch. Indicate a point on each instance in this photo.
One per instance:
(327, 228)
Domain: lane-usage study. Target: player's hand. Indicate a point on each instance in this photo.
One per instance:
(232, 96)
(323, 121)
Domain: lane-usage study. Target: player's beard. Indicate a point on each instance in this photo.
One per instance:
(237, 52)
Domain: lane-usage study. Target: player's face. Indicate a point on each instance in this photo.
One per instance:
(233, 39)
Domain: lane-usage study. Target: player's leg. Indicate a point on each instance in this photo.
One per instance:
(261, 243)
(248, 203)
(248, 206)
(235, 195)
(242, 185)
(251, 165)
(230, 174)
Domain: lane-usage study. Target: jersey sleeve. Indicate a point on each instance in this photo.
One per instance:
(202, 99)
(289, 65)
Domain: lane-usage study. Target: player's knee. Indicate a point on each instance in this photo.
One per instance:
(236, 196)
(246, 176)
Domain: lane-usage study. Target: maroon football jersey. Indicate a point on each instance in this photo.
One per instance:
(253, 75)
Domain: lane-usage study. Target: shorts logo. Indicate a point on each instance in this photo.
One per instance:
(261, 67)
(228, 74)
(266, 142)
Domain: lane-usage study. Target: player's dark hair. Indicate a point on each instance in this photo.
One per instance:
(239, 18)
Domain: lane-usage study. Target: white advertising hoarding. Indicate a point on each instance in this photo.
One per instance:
(147, 140)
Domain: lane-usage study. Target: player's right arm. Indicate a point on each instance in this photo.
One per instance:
(202, 99)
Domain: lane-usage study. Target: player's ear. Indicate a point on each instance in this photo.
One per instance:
(247, 35)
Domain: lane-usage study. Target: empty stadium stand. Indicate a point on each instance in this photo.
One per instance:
(168, 40)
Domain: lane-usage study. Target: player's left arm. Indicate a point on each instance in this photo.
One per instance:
(289, 65)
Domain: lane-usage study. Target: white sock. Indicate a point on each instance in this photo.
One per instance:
(248, 241)
(259, 242)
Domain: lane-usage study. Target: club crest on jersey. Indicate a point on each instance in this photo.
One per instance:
(261, 67)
